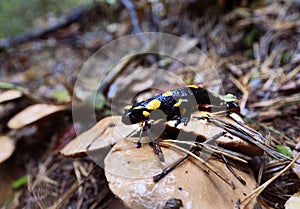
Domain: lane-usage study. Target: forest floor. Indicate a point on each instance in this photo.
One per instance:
(255, 48)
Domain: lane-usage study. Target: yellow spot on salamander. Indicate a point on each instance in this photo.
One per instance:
(153, 105)
(167, 93)
(177, 104)
(193, 86)
(146, 113)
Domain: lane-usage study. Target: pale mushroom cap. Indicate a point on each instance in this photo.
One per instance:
(33, 113)
(187, 182)
(105, 133)
(293, 202)
(7, 147)
(10, 95)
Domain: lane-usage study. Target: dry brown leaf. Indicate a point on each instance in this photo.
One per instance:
(105, 133)
(7, 147)
(10, 95)
(277, 101)
(32, 114)
(269, 114)
(129, 172)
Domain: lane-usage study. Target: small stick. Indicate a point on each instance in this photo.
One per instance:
(168, 169)
(134, 20)
(214, 170)
(212, 149)
(220, 155)
(246, 137)
(261, 188)
(232, 171)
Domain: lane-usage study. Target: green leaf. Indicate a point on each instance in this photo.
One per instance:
(62, 95)
(284, 150)
(228, 97)
(20, 182)
(97, 99)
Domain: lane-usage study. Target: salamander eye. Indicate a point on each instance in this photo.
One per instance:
(233, 106)
(134, 115)
(127, 108)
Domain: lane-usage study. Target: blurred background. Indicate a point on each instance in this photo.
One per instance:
(254, 45)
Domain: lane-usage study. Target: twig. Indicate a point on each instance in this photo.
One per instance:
(205, 147)
(210, 148)
(68, 194)
(38, 32)
(259, 189)
(240, 179)
(242, 134)
(134, 20)
(279, 101)
(290, 75)
(214, 170)
(245, 92)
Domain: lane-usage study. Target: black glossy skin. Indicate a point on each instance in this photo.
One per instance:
(191, 99)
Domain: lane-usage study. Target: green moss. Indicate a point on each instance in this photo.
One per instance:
(251, 36)
(285, 58)
(17, 16)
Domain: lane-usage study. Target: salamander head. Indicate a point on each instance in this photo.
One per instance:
(233, 107)
(135, 114)
(231, 102)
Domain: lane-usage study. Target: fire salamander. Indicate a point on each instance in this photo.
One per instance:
(178, 105)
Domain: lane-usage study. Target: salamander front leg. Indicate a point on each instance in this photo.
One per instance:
(155, 144)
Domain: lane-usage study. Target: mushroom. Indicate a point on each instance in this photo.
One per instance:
(32, 114)
(10, 95)
(130, 172)
(104, 134)
(7, 147)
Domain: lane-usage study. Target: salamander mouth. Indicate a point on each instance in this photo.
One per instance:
(126, 119)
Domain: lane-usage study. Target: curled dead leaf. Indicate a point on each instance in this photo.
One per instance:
(104, 134)
(130, 171)
(32, 114)
(7, 147)
(10, 95)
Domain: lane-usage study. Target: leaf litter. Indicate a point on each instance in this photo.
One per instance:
(256, 45)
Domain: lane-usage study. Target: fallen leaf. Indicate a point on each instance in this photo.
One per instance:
(10, 95)
(7, 147)
(32, 114)
(20, 182)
